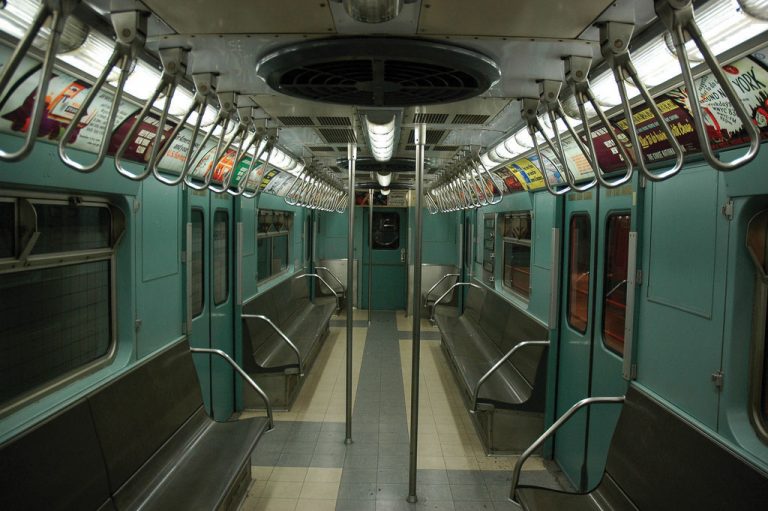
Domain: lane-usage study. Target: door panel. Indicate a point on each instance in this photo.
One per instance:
(387, 259)
(211, 297)
(592, 326)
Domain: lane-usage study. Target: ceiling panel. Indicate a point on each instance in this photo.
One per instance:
(560, 19)
(229, 16)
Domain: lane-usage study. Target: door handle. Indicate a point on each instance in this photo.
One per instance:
(402, 255)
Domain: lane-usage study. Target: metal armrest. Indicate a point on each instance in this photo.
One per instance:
(457, 284)
(281, 334)
(426, 297)
(244, 375)
(496, 367)
(552, 429)
(315, 275)
(343, 288)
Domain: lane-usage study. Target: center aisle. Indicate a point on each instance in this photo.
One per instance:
(304, 464)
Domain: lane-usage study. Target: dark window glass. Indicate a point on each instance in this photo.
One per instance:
(386, 230)
(220, 257)
(264, 251)
(279, 253)
(468, 243)
(67, 228)
(578, 272)
(52, 321)
(7, 229)
(517, 253)
(615, 281)
(198, 263)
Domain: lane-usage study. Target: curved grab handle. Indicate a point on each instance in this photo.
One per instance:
(129, 28)
(125, 62)
(226, 177)
(431, 206)
(474, 173)
(447, 292)
(282, 335)
(289, 198)
(204, 85)
(615, 38)
(241, 186)
(221, 120)
(342, 205)
(447, 275)
(550, 96)
(493, 184)
(680, 20)
(265, 148)
(57, 11)
(576, 76)
(530, 107)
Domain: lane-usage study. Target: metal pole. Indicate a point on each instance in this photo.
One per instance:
(420, 135)
(370, 251)
(351, 157)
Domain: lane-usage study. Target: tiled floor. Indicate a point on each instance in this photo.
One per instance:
(304, 463)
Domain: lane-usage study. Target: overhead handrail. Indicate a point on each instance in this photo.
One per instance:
(550, 431)
(327, 270)
(245, 376)
(130, 30)
(343, 203)
(473, 197)
(550, 96)
(205, 86)
(529, 111)
(226, 109)
(321, 279)
(614, 45)
(431, 206)
(577, 71)
(260, 148)
(429, 292)
(57, 11)
(477, 179)
(497, 365)
(457, 284)
(678, 17)
(174, 67)
(282, 335)
(289, 198)
(494, 188)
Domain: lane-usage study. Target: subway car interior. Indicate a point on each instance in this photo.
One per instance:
(378, 255)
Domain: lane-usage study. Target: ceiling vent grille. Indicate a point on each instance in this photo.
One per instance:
(430, 118)
(433, 136)
(333, 121)
(337, 136)
(374, 71)
(322, 149)
(446, 148)
(470, 119)
(296, 121)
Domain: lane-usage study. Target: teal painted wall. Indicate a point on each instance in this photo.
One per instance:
(439, 240)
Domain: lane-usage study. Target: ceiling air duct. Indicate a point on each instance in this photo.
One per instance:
(373, 11)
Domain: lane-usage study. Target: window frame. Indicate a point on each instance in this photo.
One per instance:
(274, 234)
(26, 262)
(200, 210)
(227, 252)
(758, 375)
(519, 242)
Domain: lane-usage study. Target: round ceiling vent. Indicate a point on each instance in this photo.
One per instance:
(391, 72)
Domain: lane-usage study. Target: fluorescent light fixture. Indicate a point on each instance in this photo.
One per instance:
(16, 17)
(384, 191)
(143, 81)
(384, 178)
(180, 103)
(209, 117)
(607, 92)
(513, 146)
(381, 138)
(758, 9)
(92, 55)
(486, 160)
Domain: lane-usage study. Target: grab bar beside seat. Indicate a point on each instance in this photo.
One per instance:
(130, 30)
(495, 367)
(57, 11)
(678, 17)
(447, 275)
(447, 292)
(245, 376)
(550, 431)
(335, 294)
(327, 270)
(282, 335)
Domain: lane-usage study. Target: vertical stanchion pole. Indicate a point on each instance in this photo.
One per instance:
(420, 135)
(351, 157)
(370, 252)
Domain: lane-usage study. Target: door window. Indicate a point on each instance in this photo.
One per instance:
(386, 230)
(578, 271)
(615, 281)
(220, 257)
(198, 271)
(517, 253)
